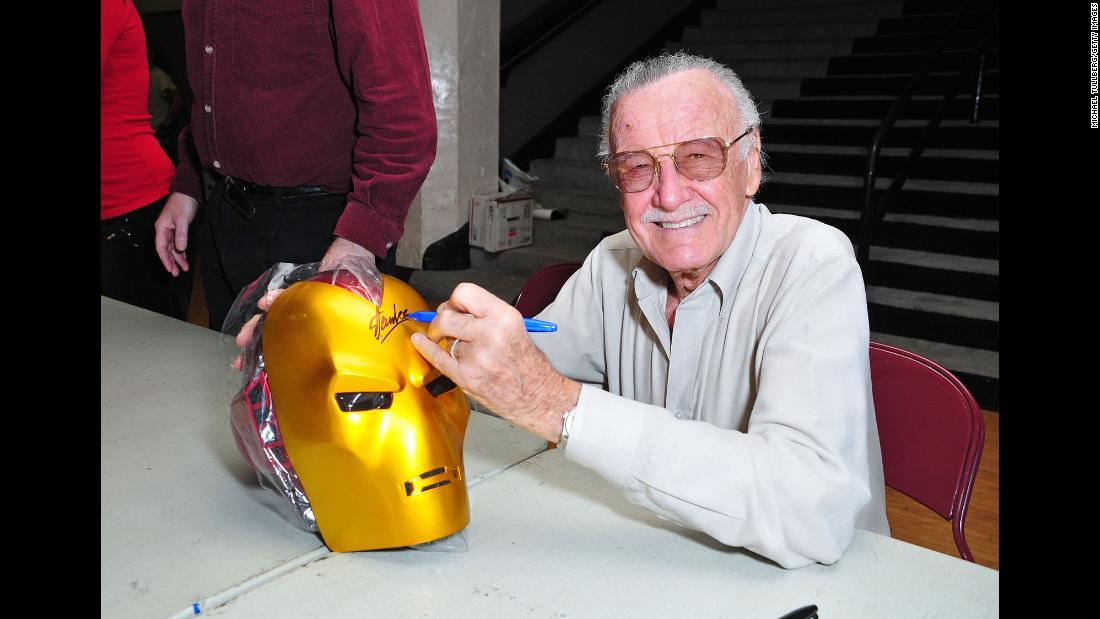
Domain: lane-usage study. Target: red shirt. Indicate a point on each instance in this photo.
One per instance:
(288, 94)
(133, 169)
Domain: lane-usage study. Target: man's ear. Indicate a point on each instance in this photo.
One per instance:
(753, 170)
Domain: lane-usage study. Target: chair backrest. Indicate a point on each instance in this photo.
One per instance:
(542, 287)
(931, 431)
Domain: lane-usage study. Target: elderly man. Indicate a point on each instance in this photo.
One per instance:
(731, 344)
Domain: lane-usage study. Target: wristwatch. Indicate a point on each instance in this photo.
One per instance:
(566, 425)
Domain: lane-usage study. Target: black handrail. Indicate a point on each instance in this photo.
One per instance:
(872, 213)
(547, 35)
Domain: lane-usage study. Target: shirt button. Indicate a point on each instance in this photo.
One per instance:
(209, 49)
(207, 107)
(217, 164)
(679, 415)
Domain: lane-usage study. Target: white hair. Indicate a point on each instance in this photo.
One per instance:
(644, 72)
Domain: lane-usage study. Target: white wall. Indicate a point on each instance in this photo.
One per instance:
(463, 41)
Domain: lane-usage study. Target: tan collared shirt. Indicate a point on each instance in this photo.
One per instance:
(753, 420)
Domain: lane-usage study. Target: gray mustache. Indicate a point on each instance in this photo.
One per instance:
(686, 211)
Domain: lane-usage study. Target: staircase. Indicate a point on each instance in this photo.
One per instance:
(824, 73)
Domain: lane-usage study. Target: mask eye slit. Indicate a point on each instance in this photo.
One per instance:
(364, 401)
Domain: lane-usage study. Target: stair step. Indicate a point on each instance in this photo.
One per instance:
(921, 237)
(588, 126)
(978, 369)
(937, 22)
(796, 189)
(578, 231)
(877, 107)
(577, 148)
(908, 62)
(893, 85)
(916, 42)
(564, 173)
(596, 203)
(817, 212)
(946, 281)
(780, 32)
(798, 14)
(844, 202)
(934, 303)
(740, 4)
(436, 286)
(523, 261)
(957, 359)
(892, 151)
(955, 330)
(922, 7)
(891, 256)
(739, 51)
(844, 162)
(857, 132)
(774, 68)
(912, 185)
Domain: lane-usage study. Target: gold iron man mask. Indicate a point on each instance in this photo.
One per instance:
(367, 438)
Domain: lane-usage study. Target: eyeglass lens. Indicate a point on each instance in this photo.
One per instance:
(699, 160)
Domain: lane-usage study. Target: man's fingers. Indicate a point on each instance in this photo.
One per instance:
(435, 355)
(181, 260)
(455, 324)
(245, 336)
(163, 245)
(265, 301)
(181, 237)
(472, 299)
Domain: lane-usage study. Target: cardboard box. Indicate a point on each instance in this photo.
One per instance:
(502, 220)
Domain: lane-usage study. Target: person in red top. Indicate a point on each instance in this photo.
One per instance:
(134, 171)
(311, 131)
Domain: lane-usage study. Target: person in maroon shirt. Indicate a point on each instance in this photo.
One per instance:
(311, 131)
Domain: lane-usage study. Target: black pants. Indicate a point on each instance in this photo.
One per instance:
(130, 270)
(236, 249)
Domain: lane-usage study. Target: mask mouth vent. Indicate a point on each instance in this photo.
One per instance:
(439, 477)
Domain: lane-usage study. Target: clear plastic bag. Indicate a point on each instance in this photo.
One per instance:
(252, 411)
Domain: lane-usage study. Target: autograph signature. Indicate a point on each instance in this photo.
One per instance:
(383, 324)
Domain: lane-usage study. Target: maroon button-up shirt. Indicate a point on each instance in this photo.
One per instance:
(334, 93)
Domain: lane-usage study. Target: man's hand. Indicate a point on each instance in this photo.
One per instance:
(496, 363)
(171, 231)
(341, 248)
(245, 335)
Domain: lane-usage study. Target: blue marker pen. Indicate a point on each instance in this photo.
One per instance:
(533, 326)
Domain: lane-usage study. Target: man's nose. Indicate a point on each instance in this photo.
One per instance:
(670, 183)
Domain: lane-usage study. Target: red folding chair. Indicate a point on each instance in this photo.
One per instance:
(542, 287)
(931, 431)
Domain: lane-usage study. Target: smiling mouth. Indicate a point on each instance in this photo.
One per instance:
(673, 225)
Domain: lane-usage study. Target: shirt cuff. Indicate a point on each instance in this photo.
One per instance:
(366, 227)
(188, 182)
(606, 433)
